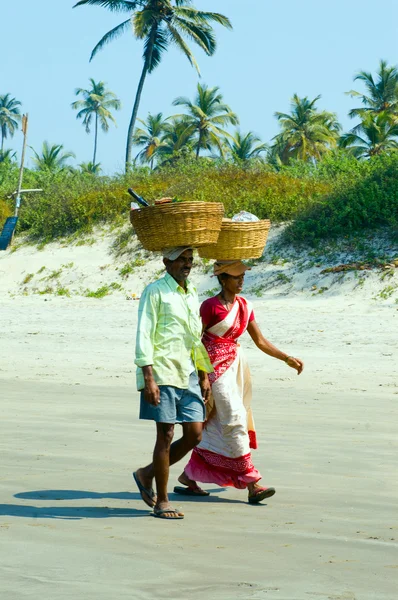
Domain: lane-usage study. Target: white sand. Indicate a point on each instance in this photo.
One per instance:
(70, 438)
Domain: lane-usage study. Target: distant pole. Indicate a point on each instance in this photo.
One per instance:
(24, 131)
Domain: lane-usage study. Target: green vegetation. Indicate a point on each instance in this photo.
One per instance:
(159, 24)
(104, 290)
(128, 268)
(71, 203)
(363, 197)
(326, 185)
(206, 116)
(52, 158)
(306, 133)
(10, 116)
(96, 104)
(62, 291)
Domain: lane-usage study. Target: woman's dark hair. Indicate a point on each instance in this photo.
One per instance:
(222, 278)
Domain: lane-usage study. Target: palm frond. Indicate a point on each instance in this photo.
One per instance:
(203, 36)
(155, 44)
(110, 36)
(203, 17)
(178, 40)
(113, 5)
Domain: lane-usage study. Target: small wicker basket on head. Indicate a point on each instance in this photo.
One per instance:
(171, 224)
(239, 240)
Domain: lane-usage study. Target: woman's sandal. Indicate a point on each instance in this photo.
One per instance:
(261, 494)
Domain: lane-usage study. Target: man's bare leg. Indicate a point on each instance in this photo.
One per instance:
(161, 464)
(192, 434)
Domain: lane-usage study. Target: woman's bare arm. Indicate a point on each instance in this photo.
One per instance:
(265, 346)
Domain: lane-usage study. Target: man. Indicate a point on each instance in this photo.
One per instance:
(172, 373)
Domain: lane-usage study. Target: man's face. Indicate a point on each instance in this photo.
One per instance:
(180, 268)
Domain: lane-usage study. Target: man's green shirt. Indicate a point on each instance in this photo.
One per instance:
(169, 334)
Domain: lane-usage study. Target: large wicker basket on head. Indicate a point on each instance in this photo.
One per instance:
(239, 240)
(171, 224)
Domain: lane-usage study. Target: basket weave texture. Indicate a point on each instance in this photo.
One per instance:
(238, 241)
(172, 224)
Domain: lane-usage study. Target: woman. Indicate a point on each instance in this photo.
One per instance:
(223, 456)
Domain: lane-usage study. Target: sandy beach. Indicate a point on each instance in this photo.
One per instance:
(72, 523)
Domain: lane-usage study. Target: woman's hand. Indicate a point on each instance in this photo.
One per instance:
(204, 386)
(295, 363)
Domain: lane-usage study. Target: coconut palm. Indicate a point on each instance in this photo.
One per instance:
(10, 116)
(96, 104)
(7, 156)
(375, 134)
(244, 147)
(207, 115)
(90, 168)
(381, 95)
(159, 23)
(150, 137)
(178, 134)
(52, 158)
(306, 133)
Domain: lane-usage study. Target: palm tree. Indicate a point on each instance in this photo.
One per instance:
(306, 133)
(178, 135)
(207, 115)
(7, 156)
(97, 102)
(150, 137)
(382, 94)
(375, 134)
(90, 168)
(10, 115)
(52, 158)
(244, 147)
(159, 23)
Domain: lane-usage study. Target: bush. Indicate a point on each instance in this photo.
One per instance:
(5, 212)
(362, 199)
(74, 202)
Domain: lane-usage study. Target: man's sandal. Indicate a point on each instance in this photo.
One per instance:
(161, 513)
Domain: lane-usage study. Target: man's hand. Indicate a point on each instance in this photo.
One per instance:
(152, 393)
(151, 389)
(204, 386)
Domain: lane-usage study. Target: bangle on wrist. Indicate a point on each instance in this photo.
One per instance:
(287, 359)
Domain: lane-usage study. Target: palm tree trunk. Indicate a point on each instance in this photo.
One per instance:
(2, 139)
(95, 138)
(199, 144)
(133, 119)
(148, 60)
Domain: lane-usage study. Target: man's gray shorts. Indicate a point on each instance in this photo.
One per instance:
(176, 405)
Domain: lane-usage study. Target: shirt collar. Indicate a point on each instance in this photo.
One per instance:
(171, 282)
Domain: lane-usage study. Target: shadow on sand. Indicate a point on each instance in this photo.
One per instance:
(69, 512)
(95, 512)
(88, 495)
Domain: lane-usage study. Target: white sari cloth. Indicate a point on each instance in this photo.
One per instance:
(223, 456)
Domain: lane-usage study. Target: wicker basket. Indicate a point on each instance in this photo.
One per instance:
(238, 241)
(171, 224)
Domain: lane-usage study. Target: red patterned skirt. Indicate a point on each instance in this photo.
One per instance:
(209, 467)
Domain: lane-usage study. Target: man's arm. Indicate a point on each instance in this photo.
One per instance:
(146, 328)
(151, 389)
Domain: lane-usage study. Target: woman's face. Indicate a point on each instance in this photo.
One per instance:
(234, 283)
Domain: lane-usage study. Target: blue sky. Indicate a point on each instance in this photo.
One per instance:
(276, 49)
